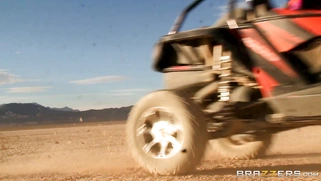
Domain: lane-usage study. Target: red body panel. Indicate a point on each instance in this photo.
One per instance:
(180, 68)
(311, 24)
(253, 41)
(257, 44)
(266, 82)
(282, 40)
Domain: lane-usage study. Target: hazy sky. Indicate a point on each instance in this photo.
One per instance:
(86, 54)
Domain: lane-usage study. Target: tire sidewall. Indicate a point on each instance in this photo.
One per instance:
(185, 113)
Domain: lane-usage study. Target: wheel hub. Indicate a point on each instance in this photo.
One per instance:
(162, 138)
(163, 129)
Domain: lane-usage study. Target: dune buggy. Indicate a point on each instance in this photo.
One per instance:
(231, 86)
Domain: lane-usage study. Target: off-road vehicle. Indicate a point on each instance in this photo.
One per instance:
(230, 86)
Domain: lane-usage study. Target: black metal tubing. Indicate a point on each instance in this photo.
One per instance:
(263, 125)
(180, 19)
(231, 9)
(277, 17)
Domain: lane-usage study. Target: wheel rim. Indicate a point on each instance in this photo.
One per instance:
(159, 135)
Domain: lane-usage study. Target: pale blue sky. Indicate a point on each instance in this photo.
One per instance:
(86, 53)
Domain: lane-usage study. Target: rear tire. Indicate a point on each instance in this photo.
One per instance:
(247, 145)
(191, 133)
(254, 145)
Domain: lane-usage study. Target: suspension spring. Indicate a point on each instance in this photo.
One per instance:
(224, 88)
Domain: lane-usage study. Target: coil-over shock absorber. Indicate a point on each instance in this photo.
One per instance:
(223, 65)
(225, 77)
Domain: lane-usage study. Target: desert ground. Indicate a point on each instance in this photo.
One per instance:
(98, 152)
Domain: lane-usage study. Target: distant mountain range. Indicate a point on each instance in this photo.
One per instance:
(33, 113)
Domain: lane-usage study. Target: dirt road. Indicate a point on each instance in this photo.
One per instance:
(99, 153)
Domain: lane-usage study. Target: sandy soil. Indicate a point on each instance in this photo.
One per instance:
(98, 152)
